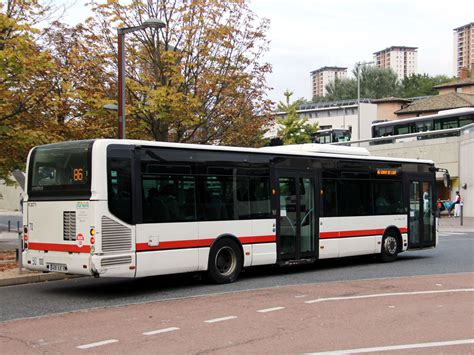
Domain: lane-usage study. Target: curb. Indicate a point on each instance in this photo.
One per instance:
(40, 277)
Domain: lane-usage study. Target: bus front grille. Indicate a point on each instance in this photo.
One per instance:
(69, 225)
(118, 260)
(115, 236)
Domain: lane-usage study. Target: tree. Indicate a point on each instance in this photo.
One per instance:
(81, 84)
(293, 129)
(341, 89)
(197, 80)
(375, 83)
(24, 84)
(421, 85)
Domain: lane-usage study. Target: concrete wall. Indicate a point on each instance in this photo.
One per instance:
(466, 167)
(9, 197)
(368, 114)
(386, 110)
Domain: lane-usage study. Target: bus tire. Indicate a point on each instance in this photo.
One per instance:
(225, 261)
(391, 245)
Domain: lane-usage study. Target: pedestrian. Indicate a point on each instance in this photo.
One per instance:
(456, 202)
(439, 208)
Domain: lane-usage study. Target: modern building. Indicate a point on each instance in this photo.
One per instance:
(323, 76)
(337, 114)
(464, 48)
(402, 60)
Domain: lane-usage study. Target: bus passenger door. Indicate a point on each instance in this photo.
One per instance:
(421, 217)
(297, 215)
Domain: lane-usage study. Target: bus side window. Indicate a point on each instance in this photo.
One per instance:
(388, 197)
(329, 198)
(120, 188)
(168, 198)
(354, 197)
(259, 197)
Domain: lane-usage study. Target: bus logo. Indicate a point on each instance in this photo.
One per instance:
(80, 240)
(82, 205)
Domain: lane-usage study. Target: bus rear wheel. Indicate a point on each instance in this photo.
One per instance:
(391, 245)
(225, 261)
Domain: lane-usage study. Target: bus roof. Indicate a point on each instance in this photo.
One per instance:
(441, 114)
(304, 150)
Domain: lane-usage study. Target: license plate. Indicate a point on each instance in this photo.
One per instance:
(56, 267)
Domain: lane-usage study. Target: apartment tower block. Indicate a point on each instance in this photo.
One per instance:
(464, 49)
(323, 76)
(402, 60)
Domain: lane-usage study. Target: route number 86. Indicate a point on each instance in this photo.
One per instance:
(78, 175)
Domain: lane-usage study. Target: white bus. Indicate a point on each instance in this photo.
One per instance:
(124, 208)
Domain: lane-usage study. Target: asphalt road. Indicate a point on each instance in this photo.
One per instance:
(453, 255)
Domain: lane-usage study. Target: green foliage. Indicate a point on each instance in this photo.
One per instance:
(201, 79)
(294, 130)
(341, 89)
(421, 85)
(375, 83)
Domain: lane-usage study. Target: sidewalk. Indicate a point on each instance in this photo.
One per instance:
(15, 276)
(453, 224)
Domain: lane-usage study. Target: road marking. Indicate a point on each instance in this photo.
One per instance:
(159, 331)
(398, 347)
(453, 233)
(220, 319)
(388, 295)
(270, 309)
(300, 296)
(99, 343)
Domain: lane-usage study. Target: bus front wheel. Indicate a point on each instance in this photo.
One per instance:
(391, 245)
(225, 261)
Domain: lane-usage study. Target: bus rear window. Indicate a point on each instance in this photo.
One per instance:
(60, 171)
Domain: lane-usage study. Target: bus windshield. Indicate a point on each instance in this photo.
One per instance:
(60, 171)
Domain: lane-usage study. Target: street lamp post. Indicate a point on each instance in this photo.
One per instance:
(358, 95)
(152, 22)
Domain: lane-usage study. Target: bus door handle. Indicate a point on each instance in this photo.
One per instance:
(153, 240)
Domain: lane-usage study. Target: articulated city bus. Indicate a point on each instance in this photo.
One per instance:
(123, 208)
(436, 123)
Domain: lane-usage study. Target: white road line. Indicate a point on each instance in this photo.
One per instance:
(398, 347)
(270, 309)
(219, 319)
(99, 343)
(388, 295)
(159, 331)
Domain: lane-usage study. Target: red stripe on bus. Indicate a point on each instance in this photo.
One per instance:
(178, 244)
(258, 239)
(59, 247)
(355, 233)
(199, 243)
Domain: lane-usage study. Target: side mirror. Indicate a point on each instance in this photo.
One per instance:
(447, 180)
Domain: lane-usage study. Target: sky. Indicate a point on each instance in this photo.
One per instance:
(309, 34)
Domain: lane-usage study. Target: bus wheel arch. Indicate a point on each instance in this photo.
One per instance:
(226, 259)
(391, 244)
